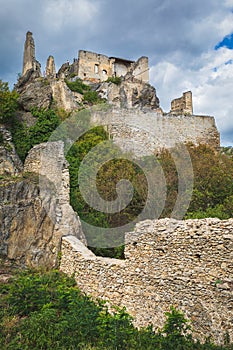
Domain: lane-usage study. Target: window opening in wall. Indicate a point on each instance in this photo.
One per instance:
(85, 74)
(96, 68)
(104, 72)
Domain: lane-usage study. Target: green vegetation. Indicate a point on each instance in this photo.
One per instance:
(213, 186)
(92, 97)
(8, 103)
(25, 138)
(114, 80)
(107, 178)
(77, 86)
(89, 96)
(1, 139)
(47, 311)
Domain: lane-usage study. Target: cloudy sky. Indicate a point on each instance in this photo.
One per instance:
(189, 43)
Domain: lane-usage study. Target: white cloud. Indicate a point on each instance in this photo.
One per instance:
(66, 13)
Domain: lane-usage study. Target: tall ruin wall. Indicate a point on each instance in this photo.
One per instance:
(97, 67)
(187, 264)
(144, 132)
(183, 104)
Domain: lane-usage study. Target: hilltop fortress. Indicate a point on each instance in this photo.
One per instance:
(124, 84)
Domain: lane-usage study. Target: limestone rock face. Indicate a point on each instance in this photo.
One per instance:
(50, 68)
(29, 59)
(64, 97)
(36, 93)
(130, 93)
(35, 212)
(27, 233)
(10, 163)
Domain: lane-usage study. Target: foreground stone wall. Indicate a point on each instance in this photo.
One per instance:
(188, 264)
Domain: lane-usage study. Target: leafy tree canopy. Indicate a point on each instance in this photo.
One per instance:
(8, 103)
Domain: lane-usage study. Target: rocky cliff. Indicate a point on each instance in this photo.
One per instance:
(10, 163)
(35, 211)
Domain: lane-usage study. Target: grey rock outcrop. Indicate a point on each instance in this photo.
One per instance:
(35, 212)
(50, 68)
(34, 93)
(63, 97)
(130, 93)
(29, 59)
(10, 163)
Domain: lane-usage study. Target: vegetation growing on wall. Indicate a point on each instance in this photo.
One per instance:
(107, 178)
(47, 311)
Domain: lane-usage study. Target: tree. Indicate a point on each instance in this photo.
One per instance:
(8, 103)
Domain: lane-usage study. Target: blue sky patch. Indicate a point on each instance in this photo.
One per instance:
(227, 42)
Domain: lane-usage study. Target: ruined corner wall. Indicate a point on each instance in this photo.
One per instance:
(97, 67)
(140, 69)
(187, 264)
(93, 66)
(183, 105)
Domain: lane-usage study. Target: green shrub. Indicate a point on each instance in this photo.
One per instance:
(1, 138)
(77, 86)
(114, 80)
(8, 103)
(47, 311)
(92, 97)
(25, 137)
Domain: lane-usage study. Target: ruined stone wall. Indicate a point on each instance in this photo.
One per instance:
(188, 264)
(183, 105)
(97, 67)
(144, 132)
(92, 66)
(140, 69)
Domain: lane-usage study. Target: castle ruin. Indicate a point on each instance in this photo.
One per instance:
(132, 96)
(183, 105)
(97, 67)
(90, 66)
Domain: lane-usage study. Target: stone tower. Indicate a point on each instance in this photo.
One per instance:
(183, 105)
(29, 59)
(50, 68)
